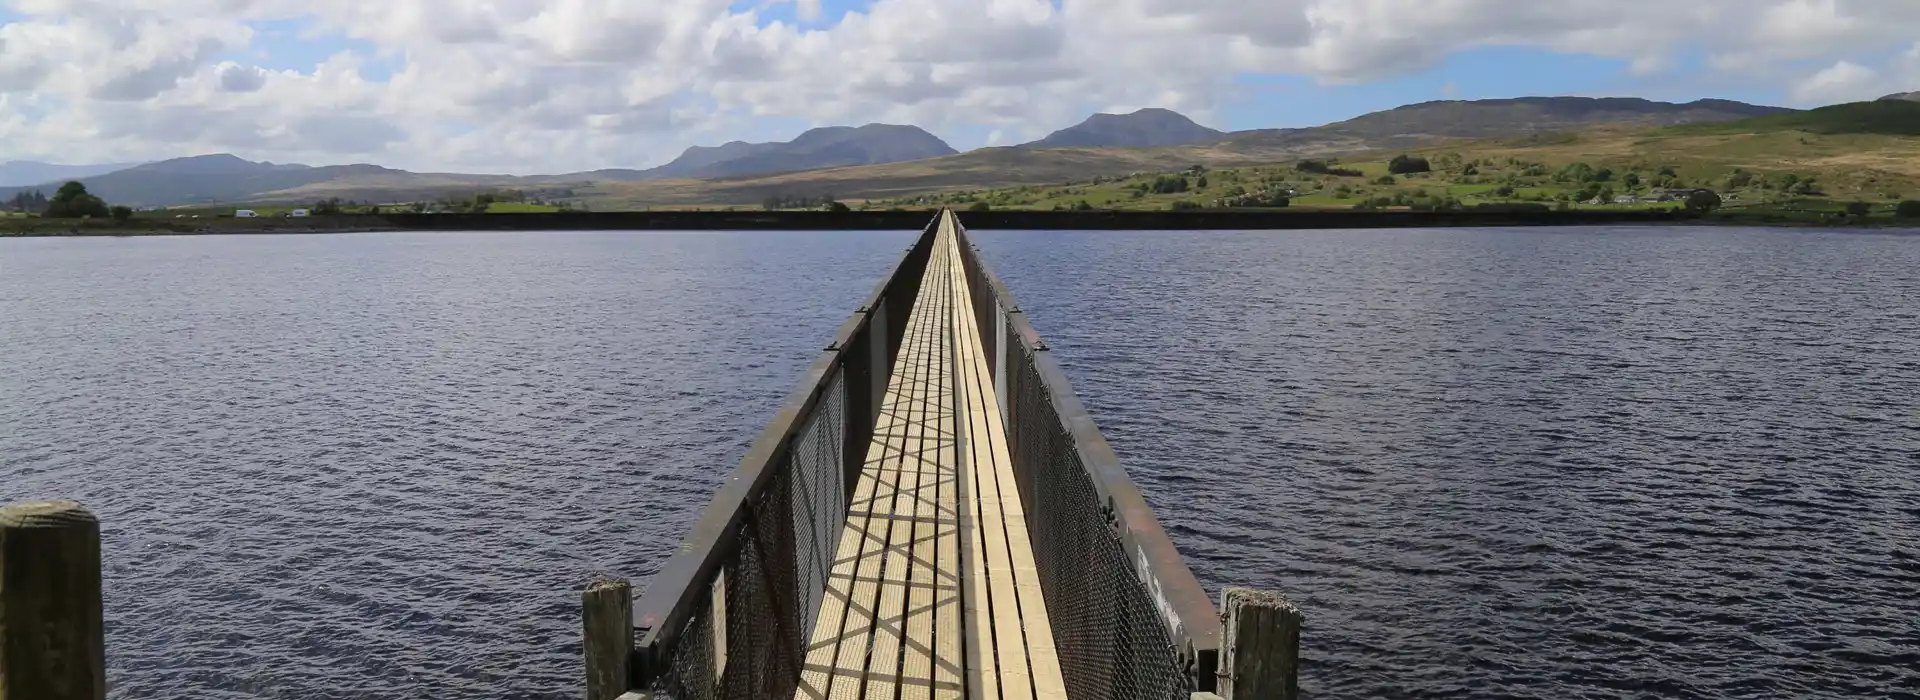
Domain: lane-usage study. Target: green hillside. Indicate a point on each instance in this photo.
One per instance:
(1886, 118)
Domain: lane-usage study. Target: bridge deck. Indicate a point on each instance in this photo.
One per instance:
(934, 594)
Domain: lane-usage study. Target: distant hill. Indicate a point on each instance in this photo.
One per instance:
(1147, 128)
(1881, 117)
(226, 178)
(829, 147)
(1525, 115)
(1902, 96)
(20, 173)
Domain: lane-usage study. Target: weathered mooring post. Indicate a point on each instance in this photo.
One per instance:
(1260, 649)
(52, 634)
(607, 613)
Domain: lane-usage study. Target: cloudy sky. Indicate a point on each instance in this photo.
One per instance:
(528, 86)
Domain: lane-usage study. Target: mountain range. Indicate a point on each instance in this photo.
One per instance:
(739, 172)
(15, 173)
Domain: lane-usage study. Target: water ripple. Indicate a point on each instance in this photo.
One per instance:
(1491, 463)
(382, 466)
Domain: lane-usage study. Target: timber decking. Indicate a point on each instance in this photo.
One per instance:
(933, 593)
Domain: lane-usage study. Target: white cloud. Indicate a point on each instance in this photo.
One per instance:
(553, 85)
(1844, 81)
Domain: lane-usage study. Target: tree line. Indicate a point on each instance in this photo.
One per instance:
(71, 201)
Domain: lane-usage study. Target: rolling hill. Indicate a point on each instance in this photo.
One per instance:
(884, 161)
(1146, 128)
(828, 147)
(1890, 117)
(1408, 127)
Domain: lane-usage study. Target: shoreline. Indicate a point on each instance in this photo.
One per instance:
(896, 220)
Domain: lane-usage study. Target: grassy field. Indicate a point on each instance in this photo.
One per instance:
(1774, 172)
(520, 208)
(1863, 152)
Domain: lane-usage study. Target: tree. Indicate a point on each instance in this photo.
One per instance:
(1386, 180)
(1200, 183)
(1859, 209)
(980, 206)
(838, 207)
(1503, 191)
(331, 207)
(1703, 201)
(1082, 206)
(1183, 205)
(73, 202)
(1909, 209)
(120, 212)
(1738, 179)
(1631, 180)
(1404, 165)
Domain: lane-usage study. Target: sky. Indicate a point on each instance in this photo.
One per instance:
(552, 86)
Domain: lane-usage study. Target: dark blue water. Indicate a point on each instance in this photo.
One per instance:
(383, 466)
(1581, 463)
(1504, 463)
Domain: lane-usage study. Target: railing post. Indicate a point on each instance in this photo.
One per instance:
(1000, 358)
(882, 366)
(607, 617)
(1260, 649)
(52, 634)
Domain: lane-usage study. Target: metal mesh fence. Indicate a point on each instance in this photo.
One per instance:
(747, 636)
(1111, 639)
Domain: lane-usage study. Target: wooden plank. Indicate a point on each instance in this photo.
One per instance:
(842, 628)
(949, 654)
(883, 665)
(1018, 604)
(921, 635)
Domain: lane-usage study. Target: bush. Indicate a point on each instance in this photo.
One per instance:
(1403, 165)
(1503, 191)
(1703, 201)
(980, 206)
(1169, 184)
(1909, 209)
(1183, 205)
(1859, 209)
(1386, 180)
(838, 207)
(121, 212)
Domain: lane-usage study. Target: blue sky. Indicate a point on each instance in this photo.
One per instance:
(546, 84)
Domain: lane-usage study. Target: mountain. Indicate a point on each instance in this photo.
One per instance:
(1902, 97)
(829, 147)
(1147, 128)
(20, 173)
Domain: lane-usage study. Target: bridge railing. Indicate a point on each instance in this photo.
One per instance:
(730, 615)
(1129, 618)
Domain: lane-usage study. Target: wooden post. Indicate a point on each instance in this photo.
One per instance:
(52, 638)
(607, 612)
(1260, 653)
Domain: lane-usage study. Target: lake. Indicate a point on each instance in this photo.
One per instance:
(1518, 463)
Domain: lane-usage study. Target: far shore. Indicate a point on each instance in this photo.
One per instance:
(1212, 219)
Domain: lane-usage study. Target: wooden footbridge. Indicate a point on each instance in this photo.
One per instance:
(931, 515)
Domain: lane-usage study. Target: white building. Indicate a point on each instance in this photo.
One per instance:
(297, 213)
(245, 213)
